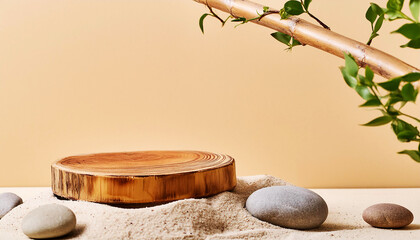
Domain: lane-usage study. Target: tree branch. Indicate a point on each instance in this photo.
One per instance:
(310, 34)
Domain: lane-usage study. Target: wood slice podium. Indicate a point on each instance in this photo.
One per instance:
(142, 177)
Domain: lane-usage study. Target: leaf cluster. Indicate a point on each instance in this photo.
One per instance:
(375, 15)
(398, 92)
(290, 8)
(393, 11)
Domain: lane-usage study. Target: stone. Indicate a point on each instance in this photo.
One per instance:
(8, 201)
(288, 206)
(387, 215)
(48, 221)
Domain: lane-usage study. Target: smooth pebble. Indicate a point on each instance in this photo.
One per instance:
(387, 215)
(48, 221)
(288, 206)
(8, 201)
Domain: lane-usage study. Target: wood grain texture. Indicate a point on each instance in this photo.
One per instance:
(142, 177)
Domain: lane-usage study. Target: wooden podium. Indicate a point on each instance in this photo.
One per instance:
(142, 177)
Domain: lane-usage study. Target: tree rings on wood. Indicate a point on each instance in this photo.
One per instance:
(142, 177)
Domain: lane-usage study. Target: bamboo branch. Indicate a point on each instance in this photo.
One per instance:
(318, 37)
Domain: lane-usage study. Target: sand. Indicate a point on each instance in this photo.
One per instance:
(219, 217)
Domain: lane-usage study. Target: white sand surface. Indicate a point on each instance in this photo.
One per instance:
(219, 217)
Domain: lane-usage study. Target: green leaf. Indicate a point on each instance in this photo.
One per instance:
(306, 4)
(351, 65)
(378, 10)
(369, 75)
(399, 126)
(394, 98)
(241, 19)
(415, 155)
(395, 4)
(371, 103)
(409, 93)
(293, 7)
(391, 85)
(411, 77)
(265, 9)
(201, 21)
(406, 136)
(409, 30)
(350, 80)
(378, 23)
(364, 92)
(283, 14)
(393, 15)
(282, 37)
(415, 43)
(415, 8)
(363, 80)
(378, 121)
(371, 15)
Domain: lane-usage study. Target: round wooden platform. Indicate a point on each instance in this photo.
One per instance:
(142, 177)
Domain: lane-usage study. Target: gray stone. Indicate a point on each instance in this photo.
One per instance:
(8, 201)
(48, 221)
(387, 215)
(288, 206)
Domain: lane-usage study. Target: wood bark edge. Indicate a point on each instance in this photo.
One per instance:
(70, 183)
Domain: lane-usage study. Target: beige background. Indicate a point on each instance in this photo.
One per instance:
(103, 76)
